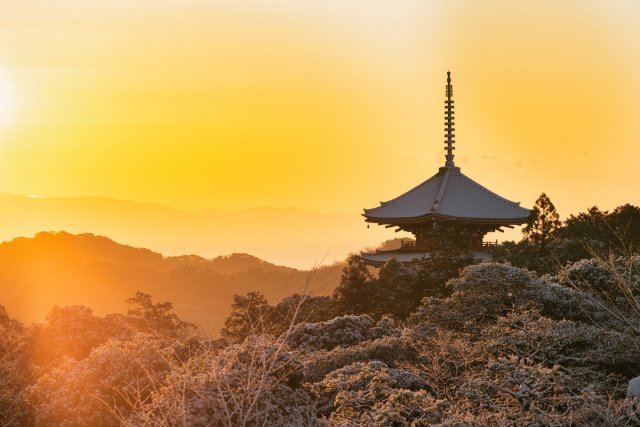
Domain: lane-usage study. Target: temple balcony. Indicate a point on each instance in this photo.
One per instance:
(410, 245)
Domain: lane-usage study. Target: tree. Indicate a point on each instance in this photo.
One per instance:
(434, 272)
(299, 308)
(543, 222)
(156, 318)
(72, 331)
(396, 290)
(255, 383)
(354, 294)
(97, 390)
(15, 372)
(250, 315)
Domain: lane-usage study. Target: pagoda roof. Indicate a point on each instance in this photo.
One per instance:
(449, 194)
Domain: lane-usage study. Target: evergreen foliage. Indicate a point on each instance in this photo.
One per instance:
(399, 287)
(465, 343)
(543, 222)
(579, 237)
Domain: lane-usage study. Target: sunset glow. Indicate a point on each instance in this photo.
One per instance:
(324, 106)
(6, 99)
(319, 213)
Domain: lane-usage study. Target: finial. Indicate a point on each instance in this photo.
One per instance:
(449, 123)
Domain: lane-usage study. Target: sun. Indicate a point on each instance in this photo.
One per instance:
(6, 99)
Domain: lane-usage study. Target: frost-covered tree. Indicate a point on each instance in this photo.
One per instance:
(255, 383)
(72, 331)
(343, 331)
(374, 394)
(97, 390)
(15, 372)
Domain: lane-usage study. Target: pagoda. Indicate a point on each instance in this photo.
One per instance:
(449, 201)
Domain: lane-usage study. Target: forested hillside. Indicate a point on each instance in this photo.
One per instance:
(445, 340)
(65, 269)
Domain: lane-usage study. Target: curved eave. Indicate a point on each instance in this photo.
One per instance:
(378, 259)
(431, 217)
(449, 195)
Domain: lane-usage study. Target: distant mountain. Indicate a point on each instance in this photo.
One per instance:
(66, 269)
(285, 236)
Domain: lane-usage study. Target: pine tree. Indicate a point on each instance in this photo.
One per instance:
(355, 292)
(543, 222)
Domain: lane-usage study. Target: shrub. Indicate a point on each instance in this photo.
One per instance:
(251, 384)
(390, 350)
(340, 332)
(601, 277)
(566, 343)
(15, 372)
(95, 391)
(518, 391)
(487, 291)
(374, 394)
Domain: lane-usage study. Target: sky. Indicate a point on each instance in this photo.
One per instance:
(328, 106)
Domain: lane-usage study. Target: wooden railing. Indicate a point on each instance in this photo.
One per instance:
(407, 243)
(411, 244)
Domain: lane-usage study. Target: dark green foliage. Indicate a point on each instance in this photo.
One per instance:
(579, 237)
(354, 294)
(543, 223)
(526, 254)
(398, 289)
(395, 290)
(433, 273)
(618, 231)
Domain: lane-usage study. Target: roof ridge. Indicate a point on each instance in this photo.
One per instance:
(493, 193)
(443, 186)
(423, 183)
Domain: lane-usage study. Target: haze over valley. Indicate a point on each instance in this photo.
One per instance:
(292, 237)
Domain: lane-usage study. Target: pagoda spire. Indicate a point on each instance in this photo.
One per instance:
(449, 123)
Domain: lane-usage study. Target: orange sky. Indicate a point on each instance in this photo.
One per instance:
(326, 105)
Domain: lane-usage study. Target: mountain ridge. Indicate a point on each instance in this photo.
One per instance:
(61, 268)
(285, 236)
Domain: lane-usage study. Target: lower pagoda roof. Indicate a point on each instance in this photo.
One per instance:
(449, 194)
(379, 258)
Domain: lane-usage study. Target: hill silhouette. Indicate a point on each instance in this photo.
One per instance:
(60, 268)
(285, 236)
